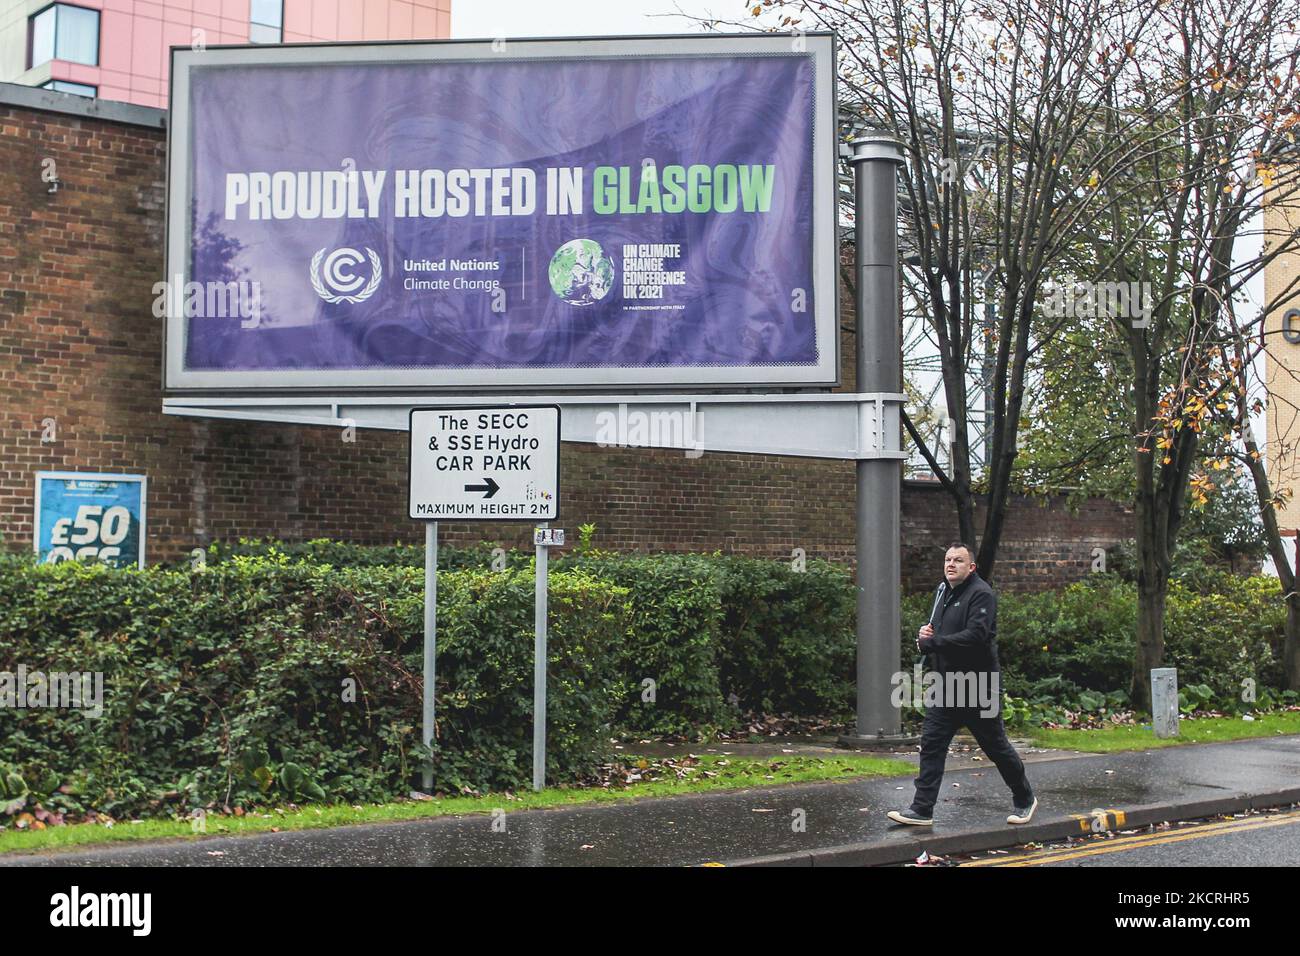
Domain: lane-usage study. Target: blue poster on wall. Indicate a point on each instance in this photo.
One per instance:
(93, 517)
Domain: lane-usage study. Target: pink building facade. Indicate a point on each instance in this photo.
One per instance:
(118, 49)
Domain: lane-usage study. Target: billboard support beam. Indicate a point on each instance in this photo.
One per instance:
(875, 160)
(836, 425)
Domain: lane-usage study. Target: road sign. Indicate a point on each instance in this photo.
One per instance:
(549, 537)
(477, 463)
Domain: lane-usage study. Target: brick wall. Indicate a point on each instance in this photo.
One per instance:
(79, 345)
(1047, 542)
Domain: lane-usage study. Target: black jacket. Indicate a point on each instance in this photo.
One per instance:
(965, 628)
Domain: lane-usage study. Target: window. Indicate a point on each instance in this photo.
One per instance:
(64, 86)
(42, 37)
(266, 21)
(64, 32)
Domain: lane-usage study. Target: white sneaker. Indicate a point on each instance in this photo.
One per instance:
(1023, 814)
(909, 816)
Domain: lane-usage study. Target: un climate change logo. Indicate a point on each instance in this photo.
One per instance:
(580, 272)
(337, 282)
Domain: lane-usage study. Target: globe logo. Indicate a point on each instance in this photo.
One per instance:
(580, 272)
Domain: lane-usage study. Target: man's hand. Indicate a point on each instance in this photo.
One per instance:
(924, 634)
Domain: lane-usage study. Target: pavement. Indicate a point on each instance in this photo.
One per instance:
(839, 823)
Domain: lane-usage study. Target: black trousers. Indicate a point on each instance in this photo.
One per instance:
(941, 723)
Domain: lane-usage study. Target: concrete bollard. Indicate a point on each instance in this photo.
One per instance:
(1164, 701)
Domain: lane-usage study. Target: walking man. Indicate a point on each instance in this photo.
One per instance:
(960, 640)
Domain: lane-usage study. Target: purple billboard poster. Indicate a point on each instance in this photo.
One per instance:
(417, 216)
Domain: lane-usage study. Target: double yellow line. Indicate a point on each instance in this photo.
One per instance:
(1119, 844)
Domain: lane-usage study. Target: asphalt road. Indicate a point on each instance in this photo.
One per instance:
(1255, 839)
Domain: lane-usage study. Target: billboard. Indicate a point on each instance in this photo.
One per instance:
(614, 213)
(83, 516)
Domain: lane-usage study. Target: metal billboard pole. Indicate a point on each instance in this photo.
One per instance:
(875, 160)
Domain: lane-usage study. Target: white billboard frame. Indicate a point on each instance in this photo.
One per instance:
(823, 373)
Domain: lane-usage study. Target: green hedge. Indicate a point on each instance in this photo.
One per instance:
(788, 643)
(228, 684)
(343, 554)
(708, 629)
(1056, 646)
(784, 641)
(669, 657)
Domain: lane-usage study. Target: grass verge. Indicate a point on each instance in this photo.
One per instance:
(1201, 730)
(672, 777)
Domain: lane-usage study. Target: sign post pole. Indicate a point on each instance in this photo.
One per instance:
(539, 670)
(430, 637)
(486, 463)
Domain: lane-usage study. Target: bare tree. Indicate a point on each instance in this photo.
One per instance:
(1117, 144)
(993, 102)
(1217, 90)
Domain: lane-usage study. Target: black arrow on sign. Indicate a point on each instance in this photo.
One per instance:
(491, 488)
